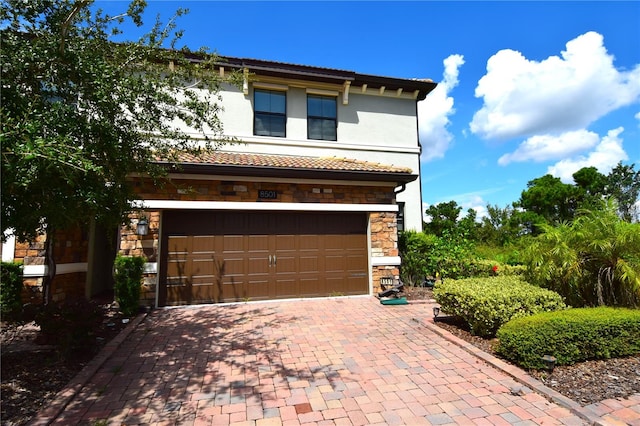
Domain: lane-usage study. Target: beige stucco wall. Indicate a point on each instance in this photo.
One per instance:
(371, 127)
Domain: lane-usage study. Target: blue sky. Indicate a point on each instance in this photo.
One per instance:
(525, 88)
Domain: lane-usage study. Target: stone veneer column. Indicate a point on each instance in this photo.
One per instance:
(384, 243)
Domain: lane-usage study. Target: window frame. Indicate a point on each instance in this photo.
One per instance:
(270, 114)
(323, 118)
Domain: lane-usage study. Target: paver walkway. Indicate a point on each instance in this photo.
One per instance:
(339, 361)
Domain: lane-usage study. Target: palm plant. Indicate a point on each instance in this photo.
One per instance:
(593, 261)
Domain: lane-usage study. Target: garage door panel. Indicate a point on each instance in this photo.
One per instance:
(179, 244)
(309, 242)
(203, 244)
(202, 266)
(308, 264)
(334, 263)
(233, 244)
(263, 255)
(258, 243)
(176, 268)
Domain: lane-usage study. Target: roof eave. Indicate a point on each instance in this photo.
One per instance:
(298, 173)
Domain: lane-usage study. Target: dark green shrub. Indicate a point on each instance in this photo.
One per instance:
(128, 280)
(571, 335)
(414, 247)
(488, 303)
(11, 285)
(70, 325)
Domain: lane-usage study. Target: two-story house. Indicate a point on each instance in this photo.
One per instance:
(308, 205)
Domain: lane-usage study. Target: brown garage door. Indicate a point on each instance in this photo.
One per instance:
(212, 257)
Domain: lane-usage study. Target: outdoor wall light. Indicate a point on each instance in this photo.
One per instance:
(549, 362)
(142, 228)
(436, 312)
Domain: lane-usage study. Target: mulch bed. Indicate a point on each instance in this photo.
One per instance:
(32, 374)
(586, 382)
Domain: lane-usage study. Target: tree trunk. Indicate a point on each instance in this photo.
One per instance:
(51, 267)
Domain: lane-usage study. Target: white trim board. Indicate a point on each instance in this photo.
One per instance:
(263, 206)
(31, 271)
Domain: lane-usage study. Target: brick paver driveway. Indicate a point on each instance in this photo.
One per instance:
(349, 361)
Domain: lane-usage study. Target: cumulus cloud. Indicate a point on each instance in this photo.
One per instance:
(561, 93)
(434, 112)
(604, 157)
(477, 203)
(550, 147)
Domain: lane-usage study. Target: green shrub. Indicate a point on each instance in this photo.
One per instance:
(488, 303)
(128, 280)
(70, 325)
(414, 247)
(11, 285)
(571, 335)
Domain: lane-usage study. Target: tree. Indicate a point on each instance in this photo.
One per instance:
(80, 114)
(591, 186)
(550, 199)
(499, 226)
(444, 217)
(623, 184)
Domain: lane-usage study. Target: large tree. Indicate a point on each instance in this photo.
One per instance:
(591, 186)
(81, 114)
(548, 200)
(443, 217)
(623, 184)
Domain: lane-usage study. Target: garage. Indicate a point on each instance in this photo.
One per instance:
(230, 256)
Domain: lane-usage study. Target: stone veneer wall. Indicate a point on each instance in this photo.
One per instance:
(384, 242)
(202, 190)
(384, 231)
(70, 246)
(132, 244)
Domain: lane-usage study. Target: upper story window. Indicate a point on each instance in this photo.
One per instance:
(270, 113)
(322, 117)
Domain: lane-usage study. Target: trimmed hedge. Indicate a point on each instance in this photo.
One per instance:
(128, 280)
(488, 303)
(571, 335)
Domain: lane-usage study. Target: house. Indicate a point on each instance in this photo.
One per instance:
(309, 204)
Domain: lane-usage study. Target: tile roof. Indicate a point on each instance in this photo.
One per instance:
(288, 162)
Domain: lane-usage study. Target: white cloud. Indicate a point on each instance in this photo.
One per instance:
(549, 147)
(637, 117)
(434, 112)
(559, 94)
(604, 158)
(476, 203)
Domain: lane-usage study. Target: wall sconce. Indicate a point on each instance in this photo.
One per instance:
(143, 226)
(436, 312)
(549, 362)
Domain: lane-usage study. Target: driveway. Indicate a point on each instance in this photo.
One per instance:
(343, 361)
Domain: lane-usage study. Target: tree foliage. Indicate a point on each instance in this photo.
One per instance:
(547, 199)
(443, 217)
(550, 201)
(80, 114)
(623, 184)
